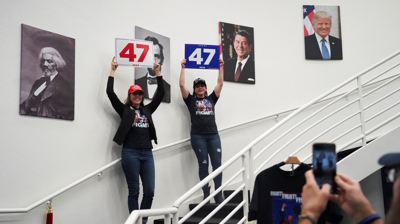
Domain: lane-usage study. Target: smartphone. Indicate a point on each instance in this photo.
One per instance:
(324, 164)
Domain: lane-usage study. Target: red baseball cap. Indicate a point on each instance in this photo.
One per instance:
(135, 88)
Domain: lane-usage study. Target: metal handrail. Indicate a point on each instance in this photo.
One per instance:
(186, 140)
(62, 190)
(136, 216)
(247, 149)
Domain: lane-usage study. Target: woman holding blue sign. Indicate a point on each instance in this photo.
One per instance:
(204, 135)
(135, 133)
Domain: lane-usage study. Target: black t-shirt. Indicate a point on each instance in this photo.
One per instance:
(277, 197)
(139, 135)
(202, 114)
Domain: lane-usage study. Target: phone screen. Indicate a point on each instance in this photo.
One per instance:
(324, 164)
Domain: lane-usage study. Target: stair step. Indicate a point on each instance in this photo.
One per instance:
(238, 198)
(208, 208)
(220, 215)
(196, 220)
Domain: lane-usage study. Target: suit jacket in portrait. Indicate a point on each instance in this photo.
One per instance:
(142, 82)
(246, 76)
(55, 101)
(313, 51)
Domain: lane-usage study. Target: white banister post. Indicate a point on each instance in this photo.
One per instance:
(361, 106)
(175, 218)
(245, 181)
(250, 179)
(167, 218)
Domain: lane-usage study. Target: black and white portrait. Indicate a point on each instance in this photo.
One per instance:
(47, 74)
(146, 77)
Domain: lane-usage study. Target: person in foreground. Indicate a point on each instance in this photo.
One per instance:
(204, 135)
(350, 197)
(135, 133)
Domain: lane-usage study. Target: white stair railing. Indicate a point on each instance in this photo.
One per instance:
(345, 124)
(248, 162)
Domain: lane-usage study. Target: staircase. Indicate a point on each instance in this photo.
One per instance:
(363, 108)
(199, 215)
(220, 215)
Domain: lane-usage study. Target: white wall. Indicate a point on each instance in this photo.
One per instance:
(39, 156)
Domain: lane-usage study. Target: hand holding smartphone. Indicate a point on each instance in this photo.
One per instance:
(324, 164)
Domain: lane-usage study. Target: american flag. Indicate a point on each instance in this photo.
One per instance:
(308, 12)
(221, 38)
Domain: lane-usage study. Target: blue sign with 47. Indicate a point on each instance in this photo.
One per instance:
(202, 56)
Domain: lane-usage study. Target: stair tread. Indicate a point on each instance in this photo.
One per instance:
(213, 205)
(220, 215)
(196, 220)
(212, 220)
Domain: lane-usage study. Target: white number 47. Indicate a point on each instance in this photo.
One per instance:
(196, 56)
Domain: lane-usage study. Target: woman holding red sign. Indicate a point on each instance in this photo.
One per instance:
(135, 133)
(204, 135)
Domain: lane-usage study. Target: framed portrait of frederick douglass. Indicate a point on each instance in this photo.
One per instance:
(47, 86)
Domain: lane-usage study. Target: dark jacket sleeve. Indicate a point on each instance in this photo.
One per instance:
(25, 107)
(115, 102)
(158, 96)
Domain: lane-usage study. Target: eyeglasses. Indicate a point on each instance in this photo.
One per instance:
(393, 174)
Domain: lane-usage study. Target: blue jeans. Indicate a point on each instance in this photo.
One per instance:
(204, 145)
(135, 163)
